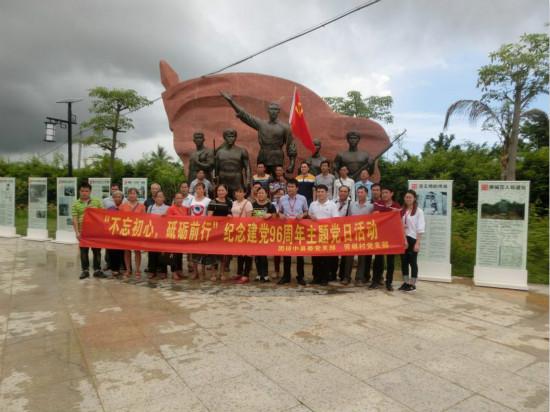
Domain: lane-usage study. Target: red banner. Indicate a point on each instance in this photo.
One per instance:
(379, 233)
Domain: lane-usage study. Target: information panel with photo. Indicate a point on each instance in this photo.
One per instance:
(66, 195)
(38, 203)
(434, 197)
(7, 201)
(502, 224)
(139, 183)
(101, 187)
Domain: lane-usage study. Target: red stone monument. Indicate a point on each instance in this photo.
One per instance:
(196, 104)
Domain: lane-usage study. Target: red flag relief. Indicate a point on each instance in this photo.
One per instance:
(298, 123)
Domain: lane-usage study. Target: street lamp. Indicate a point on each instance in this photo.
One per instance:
(51, 122)
(50, 132)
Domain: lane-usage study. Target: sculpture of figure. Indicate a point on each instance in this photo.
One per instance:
(201, 159)
(272, 136)
(355, 160)
(315, 160)
(232, 165)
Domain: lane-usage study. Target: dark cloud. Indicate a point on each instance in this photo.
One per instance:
(55, 49)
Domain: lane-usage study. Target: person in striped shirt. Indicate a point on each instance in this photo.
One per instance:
(306, 182)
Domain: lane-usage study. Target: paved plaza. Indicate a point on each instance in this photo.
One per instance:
(111, 345)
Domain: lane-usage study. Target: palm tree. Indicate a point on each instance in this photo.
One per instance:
(160, 155)
(518, 72)
(500, 120)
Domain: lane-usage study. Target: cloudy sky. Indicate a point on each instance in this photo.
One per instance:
(425, 53)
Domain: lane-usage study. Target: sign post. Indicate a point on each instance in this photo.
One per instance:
(66, 195)
(502, 221)
(434, 197)
(37, 228)
(7, 207)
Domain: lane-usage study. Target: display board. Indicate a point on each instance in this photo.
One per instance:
(37, 228)
(502, 222)
(7, 207)
(434, 197)
(139, 183)
(101, 187)
(66, 195)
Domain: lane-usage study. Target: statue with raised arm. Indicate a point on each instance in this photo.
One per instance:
(273, 135)
(315, 160)
(232, 164)
(356, 160)
(200, 159)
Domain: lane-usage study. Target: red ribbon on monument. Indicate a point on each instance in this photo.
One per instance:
(379, 233)
(298, 123)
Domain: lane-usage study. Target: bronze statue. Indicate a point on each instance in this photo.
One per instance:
(315, 160)
(232, 164)
(272, 136)
(355, 160)
(201, 159)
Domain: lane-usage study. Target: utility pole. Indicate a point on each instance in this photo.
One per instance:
(79, 148)
(51, 122)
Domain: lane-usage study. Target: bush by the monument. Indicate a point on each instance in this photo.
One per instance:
(463, 245)
(465, 164)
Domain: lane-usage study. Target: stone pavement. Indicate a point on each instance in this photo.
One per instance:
(109, 345)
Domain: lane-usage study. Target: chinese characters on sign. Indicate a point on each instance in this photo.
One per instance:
(502, 224)
(374, 234)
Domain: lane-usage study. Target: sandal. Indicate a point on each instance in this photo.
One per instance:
(213, 278)
(137, 275)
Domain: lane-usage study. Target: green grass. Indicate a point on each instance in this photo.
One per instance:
(22, 217)
(463, 245)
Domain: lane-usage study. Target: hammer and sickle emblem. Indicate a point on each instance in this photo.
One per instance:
(299, 109)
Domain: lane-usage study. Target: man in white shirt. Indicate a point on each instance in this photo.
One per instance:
(343, 205)
(359, 208)
(344, 180)
(187, 198)
(201, 177)
(320, 209)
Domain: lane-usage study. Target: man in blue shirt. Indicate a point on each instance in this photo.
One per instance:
(292, 206)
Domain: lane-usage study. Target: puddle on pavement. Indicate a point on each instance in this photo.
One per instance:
(532, 299)
(229, 289)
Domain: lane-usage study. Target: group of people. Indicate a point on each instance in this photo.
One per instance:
(269, 196)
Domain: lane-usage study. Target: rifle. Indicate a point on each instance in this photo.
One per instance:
(214, 174)
(371, 161)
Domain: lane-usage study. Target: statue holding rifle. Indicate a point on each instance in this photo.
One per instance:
(358, 160)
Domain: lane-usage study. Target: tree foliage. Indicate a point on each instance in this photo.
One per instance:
(518, 73)
(534, 131)
(372, 107)
(108, 107)
(465, 164)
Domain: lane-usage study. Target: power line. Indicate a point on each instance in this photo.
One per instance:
(279, 43)
(296, 36)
